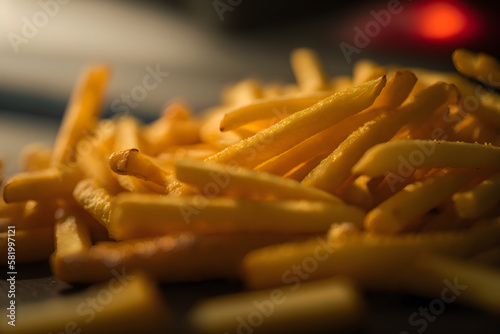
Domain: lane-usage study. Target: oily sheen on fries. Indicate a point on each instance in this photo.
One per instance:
(392, 185)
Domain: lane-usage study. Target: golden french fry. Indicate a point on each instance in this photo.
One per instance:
(275, 108)
(240, 182)
(72, 241)
(94, 165)
(95, 200)
(366, 70)
(455, 280)
(141, 215)
(41, 185)
(128, 303)
(211, 134)
(403, 155)
(329, 305)
(32, 245)
(131, 162)
(474, 202)
(295, 128)
(358, 193)
(81, 114)
(417, 199)
(366, 258)
(33, 215)
(479, 66)
(242, 93)
(200, 257)
(34, 157)
(308, 70)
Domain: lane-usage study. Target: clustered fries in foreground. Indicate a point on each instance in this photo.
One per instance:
(389, 180)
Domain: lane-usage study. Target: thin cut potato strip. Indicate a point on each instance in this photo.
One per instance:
(141, 215)
(95, 200)
(241, 182)
(365, 258)
(132, 162)
(479, 66)
(391, 156)
(472, 284)
(81, 114)
(474, 202)
(417, 199)
(171, 258)
(40, 185)
(134, 306)
(308, 70)
(290, 131)
(329, 305)
(269, 108)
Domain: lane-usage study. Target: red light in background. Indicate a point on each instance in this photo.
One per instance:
(441, 21)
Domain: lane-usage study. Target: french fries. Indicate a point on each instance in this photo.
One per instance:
(357, 182)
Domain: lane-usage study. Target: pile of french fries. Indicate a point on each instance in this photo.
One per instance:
(389, 180)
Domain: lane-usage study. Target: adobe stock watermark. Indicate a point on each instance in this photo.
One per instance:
(293, 279)
(420, 319)
(31, 26)
(223, 6)
(363, 37)
(153, 78)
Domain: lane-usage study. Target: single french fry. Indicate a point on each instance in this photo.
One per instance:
(295, 128)
(242, 93)
(358, 193)
(240, 182)
(140, 215)
(95, 200)
(308, 70)
(72, 241)
(328, 306)
(35, 157)
(457, 280)
(94, 165)
(211, 134)
(34, 215)
(479, 66)
(340, 82)
(474, 202)
(275, 108)
(366, 70)
(366, 258)
(131, 162)
(172, 258)
(336, 168)
(41, 185)
(416, 199)
(32, 245)
(128, 137)
(396, 155)
(489, 257)
(299, 172)
(131, 304)
(81, 114)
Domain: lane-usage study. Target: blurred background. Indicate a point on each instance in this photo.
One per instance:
(205, 45)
